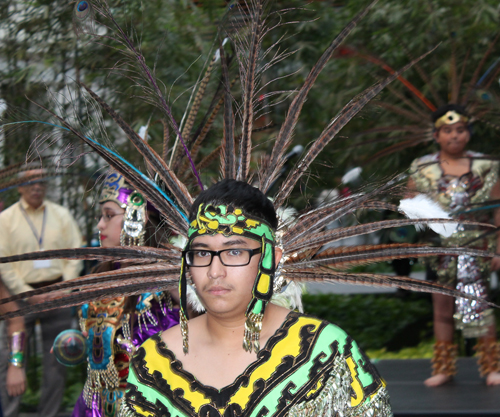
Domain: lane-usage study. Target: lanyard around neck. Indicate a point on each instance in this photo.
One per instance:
(39, 238)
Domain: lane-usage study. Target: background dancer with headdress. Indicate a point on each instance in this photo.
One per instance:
(116, 326)
(459, 180)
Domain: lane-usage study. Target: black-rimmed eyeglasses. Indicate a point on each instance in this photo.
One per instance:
(228, 257)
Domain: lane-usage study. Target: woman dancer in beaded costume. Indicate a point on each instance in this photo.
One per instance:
(115, 327)
(299, 241)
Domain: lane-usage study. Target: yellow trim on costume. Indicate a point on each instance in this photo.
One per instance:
(157, 362)
(251, 223)
(142, 412)
(449, 118)
(314, 390)
(356, 383)
(289, 346)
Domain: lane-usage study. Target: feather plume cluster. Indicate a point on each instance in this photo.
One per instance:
(302, 237)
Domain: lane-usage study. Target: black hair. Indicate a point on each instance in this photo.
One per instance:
(441, 111)
(241, 195)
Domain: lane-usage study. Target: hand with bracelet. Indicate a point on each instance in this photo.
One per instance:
(16, 375)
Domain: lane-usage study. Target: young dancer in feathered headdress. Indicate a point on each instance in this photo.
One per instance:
(317, 369)
(245, 355)
(461, 181)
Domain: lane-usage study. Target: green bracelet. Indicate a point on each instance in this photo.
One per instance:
(17, 359)
(17, 342)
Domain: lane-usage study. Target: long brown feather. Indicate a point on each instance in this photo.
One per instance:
(209, 158)
(454, 87)
(249, 90)
(346, 257)
(102, 279)
(334, 235)
(345, 115)
(284, 138)
(314, 220)
(166, 137)
(201, 137)
(193, 112)
(176, 187)
(409, 103)
(427, 80)
(397, 147)
(402, 112)
(101, 254)
(135, 287)
(228, 156)
(378, 280)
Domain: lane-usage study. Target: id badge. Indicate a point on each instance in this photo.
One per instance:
(42, 263)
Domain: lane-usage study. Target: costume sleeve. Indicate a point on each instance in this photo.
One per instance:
(14, 284)
(134, 403)
(354, 387)
(370, 392)
(72, 268)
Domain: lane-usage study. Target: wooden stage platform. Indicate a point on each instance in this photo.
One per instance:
(467, 395)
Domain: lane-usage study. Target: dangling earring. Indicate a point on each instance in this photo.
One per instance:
(134, 221)
(262, 293)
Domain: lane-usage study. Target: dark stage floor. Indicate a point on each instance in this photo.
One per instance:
(467, 395)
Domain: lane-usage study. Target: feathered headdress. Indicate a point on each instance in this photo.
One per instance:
(301, 239)
(406, 118)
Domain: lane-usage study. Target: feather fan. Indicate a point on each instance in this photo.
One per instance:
(303, 238)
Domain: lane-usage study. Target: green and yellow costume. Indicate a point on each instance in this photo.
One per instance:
(308, 367)
(460, 196)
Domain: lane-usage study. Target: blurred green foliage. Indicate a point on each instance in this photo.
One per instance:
(376, 321)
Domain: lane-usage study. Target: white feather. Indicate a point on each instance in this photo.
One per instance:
(422, 207)
(142, 132)
(290, 297)
(193, 300)
(352, 175)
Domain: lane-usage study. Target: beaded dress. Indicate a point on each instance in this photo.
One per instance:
(458, 195)
(113, 336)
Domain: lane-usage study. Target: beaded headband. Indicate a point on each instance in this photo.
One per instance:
(115, 189)
(134, 221)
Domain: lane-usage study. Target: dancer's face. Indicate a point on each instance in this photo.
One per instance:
(224, 290)
(453, 139)
(110, 224)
